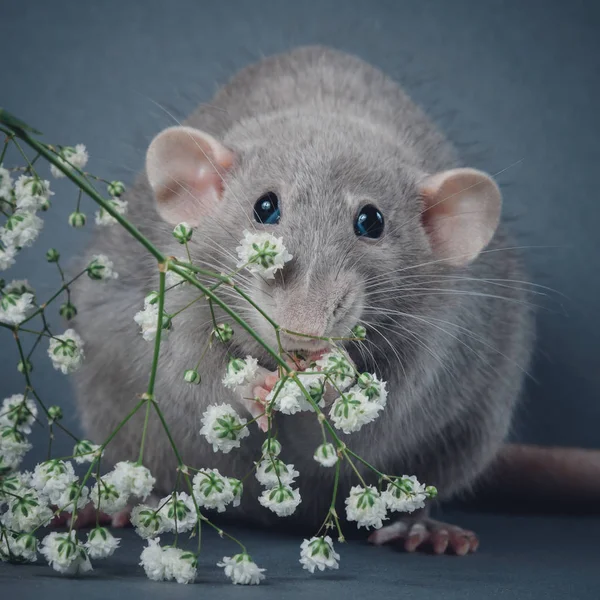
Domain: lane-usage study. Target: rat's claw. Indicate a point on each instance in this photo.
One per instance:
(420, 533)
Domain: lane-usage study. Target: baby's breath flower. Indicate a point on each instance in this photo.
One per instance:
(27, 512)
(74, 491)
(15, 306)
(21, 229)
(365, 506)
(77, 219)
(373, 388)
(178, 512)
(352, 410)
(65, 554)
(68, 155)
(240, 371)
(52, 255)
(116, 188)
(212, 490)
(11, 486)
(147, 319)
(289, 398)
(32, 193)
(152, 560)
(103, 217)
(192, 376)
(84, 451)
(23, 547)
(281, 499)
(132, 479)
(148, 521)
(338, 366)
(223, 332)
(237, 487)
(168, 563)
(242, 570)
(183, 232)
(326, 455)
(272, 472)
(318, 553)
(106, 497)
(271, 446)
(223, 427)
(13, 447)
(52, 479)
(358, 331)
(25, 367)
(55, 413)
(67, 311)
(262, 253)
(405, 494)
(101, 267)
(18, 412)
(66, 351)
(7, 256)
(6, 183)
(101, 543)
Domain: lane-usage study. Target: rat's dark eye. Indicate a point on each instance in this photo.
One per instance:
(266, 209)
(369, 222)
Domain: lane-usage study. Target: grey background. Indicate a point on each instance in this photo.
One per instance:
(514, 84)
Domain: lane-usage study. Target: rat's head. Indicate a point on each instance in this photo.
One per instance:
(353, 217)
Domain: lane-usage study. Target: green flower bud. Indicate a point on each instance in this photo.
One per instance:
(183, 233)
(55, 413)
(192, 376)
(25, 367)
(152, 298)
(45, 206)
(271, 446)
(52, 255)
(77, 219)
(223, 332)
(358, 331)
(116, 188)
(431, 491)
(67, 311)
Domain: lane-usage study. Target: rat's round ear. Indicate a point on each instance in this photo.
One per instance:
(461, 213)
(185, 168)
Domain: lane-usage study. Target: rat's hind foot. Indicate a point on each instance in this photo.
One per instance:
(86, 517)
(422, 532)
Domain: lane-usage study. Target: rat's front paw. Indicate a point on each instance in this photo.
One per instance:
(253, 396)
(420, 533)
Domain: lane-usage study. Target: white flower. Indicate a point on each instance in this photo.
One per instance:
(148, 521)
(27, 512)
(18, 412)
(66, 351)
(287, 397)
(339, 367)
(77, 157)
(223, 427)
(32, 193)
(405, 494)
(67, 498)
(178, 512)
(5, 183)
(281, 499)
(13, 447)
(101, 543)
(104, 218)
(240, 371)
(52, 478)
(365, 506)
(238, 488)
(183, 232)
(168, 563)
(318, 553)
(262, 253)
(65, 554)
(21, 229)
(326, 455)
(272, 471)
(212, 490)
(84, 451)
(101, 268)
(11, 486)
(271, 446)
(179, 564)
(131, 479)
(147, 319)
(106, 497)
(242, 570)
(15, 306)
(7, 257)
(373, 388)
(23, 547)
(352, 410)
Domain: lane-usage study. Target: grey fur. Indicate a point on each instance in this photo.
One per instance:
(318, 126)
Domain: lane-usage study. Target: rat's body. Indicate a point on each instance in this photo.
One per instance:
(321, 128)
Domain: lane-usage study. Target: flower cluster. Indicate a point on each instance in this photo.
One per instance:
(262, 253)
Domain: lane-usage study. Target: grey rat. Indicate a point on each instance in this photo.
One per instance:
(448, 326)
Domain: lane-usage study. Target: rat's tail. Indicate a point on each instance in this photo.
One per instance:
(541, 478)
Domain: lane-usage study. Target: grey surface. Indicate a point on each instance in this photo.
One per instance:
(520, 559)
(514, 84)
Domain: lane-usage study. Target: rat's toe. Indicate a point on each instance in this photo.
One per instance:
(440, 540)
(122, 518)
(88, 516)
(417, 535)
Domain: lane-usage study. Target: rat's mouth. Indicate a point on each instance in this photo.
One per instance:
(292, 343)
